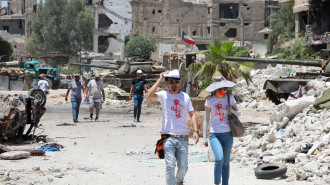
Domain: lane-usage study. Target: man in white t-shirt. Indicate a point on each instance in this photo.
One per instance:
(43, 84)
(175, 106)
(94, 93)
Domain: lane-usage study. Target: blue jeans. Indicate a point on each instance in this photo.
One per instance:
(75, 102)
(176, 151)
(221, 144)
(137, 105)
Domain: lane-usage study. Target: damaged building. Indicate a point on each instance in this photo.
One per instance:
(238, 20)
(312, 19)
(15, 22)
(203, 20)
(113, 22)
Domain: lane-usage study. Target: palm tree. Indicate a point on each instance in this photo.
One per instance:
(217, 65)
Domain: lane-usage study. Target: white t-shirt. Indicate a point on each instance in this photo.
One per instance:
(95, 89)
(219, 119)
(175, 108)
(42, 84)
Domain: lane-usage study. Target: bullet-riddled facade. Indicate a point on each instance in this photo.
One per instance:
(239, 20)
(165, 20)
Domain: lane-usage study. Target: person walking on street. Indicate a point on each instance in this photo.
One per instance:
(137, 88)
(43, 84)
(175, 105)
(77, 88)
(221, 138)
(94, 93)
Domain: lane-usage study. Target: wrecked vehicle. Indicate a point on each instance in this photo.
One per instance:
(282, 87)
(18, 112)
(123, 72)
(18, 75)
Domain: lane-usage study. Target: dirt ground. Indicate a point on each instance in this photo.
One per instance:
(105, 152)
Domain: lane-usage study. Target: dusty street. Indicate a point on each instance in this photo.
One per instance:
(105, 152)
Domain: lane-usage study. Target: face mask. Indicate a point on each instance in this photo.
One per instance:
(221, 93)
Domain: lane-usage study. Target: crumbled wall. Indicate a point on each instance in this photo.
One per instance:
(252, 13)
(168, 18)
(201, 20)
(120, 14)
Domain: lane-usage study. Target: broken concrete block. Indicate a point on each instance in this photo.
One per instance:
(325, 141)
(272, 159)
(301, 174)
(253, 104)
(255, 144)
(14, 155)
(289, 156)
(277, 144)
(245, 138)
(327, 127)
(3, 149)
(311, 166)
(325, 160)
(271, 137)
(288, 132)
(291, 108)
(263, 129)
(327, 179)
(324, 170)
(301, 157)
(284, 122)
(290, 179)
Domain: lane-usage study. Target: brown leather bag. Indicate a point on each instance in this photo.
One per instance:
(236, 126)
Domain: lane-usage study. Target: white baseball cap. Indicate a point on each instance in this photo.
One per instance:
(139, 71)
(173, 74)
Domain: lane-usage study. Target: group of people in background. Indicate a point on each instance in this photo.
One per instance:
(175, 106)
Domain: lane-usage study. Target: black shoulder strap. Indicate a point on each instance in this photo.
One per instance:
(228, 99)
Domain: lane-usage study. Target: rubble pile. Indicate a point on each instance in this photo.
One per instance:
(16, 71)
(116, 97)
(112, 92)
(298, 134)
(255, 91)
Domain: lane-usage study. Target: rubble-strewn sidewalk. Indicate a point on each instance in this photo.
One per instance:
(293, 125)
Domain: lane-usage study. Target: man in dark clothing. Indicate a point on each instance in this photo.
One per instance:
(137, 88)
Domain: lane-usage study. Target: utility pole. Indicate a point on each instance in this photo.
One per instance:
(242, 32)
(240, 16)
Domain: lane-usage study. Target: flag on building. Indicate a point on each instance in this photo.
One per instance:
(187, 39)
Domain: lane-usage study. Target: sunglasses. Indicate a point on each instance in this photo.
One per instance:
(220, 89)
(174, 81)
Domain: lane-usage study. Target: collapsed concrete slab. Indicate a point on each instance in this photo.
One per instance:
(291, 108)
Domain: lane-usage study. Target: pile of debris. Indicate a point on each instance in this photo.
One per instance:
(16, 71)
(17, 112)
(115, 96)
(298, 133)
(114, 93)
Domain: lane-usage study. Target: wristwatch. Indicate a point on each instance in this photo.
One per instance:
(196, 131)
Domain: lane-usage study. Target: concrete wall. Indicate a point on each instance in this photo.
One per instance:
(14, 26)
(120, 14)
(167, 19)
(252, 12)
(201, 20)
